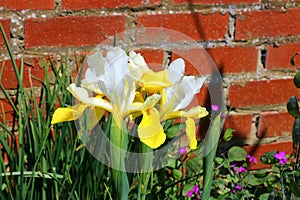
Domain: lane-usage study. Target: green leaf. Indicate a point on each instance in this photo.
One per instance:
(268, 158)
(295, 188)
(293, 107)
(297, 79)
(219, 160)
(237, 154)
(194, 165)
(261, 173)
(173, 130)
(187, 187)
(176, 174)
(296, 131)
(210, 150)
(228, 135)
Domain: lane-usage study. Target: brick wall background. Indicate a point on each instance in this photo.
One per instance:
(251, 41)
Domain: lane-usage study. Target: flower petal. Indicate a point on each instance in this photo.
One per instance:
(69, 113)
(95, 114)
(150, 130)
(191, 133)
(176, 70)
(155, 81)
(197, 112)
(79, 93)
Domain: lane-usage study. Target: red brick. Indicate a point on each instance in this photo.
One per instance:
(155, 2)
(28, 5)
(72, 30)
(6, 111)
(94, 4)
(260, 149)
(261, 24)
(6, 26)
(240, 124)
(274, 124)
(280, 57)
(9, 79)
(226, 59)
(194, 26)
(265, 92)
(215, 1)
(153, 58)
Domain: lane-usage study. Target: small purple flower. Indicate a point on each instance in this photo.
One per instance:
(215, 107)
(195, 191)
(241, 169)
(182, 150)
(251, 159)
(233, 164)
(281, 157)
(237, 188)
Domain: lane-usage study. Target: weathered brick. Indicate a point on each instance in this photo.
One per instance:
(260, 93)
(96, 4)
(274, 123)
(28, 5)
(260, 149)
(215, 1)
(261, 24)
(6, 26)
(240, 125)
(72, 30)
(197, 26)
(280, 57)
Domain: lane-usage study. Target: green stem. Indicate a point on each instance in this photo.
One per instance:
(118, 147)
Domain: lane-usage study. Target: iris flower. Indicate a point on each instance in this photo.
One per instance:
(179, 96)
(115, 83)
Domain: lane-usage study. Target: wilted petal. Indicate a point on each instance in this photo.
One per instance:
(150, 130)
(69, 113)
(191, 133)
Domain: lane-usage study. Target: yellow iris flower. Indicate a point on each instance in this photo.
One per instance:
(179, 96)
(115, 82)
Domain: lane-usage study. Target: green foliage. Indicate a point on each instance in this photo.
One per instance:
(293, 107)
(237, 154)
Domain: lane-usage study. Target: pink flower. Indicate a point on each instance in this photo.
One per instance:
(195, 191)
(281, 157)
(215, 107)
(251, 159)
(241, 169)
(237, 187)
(182, 150)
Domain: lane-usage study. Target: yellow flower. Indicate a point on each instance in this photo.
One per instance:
(116, 83)
(146, 78)
(179, 96)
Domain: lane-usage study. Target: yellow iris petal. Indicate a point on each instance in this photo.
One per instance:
(95, 114)
(197, 112)
(155, 81)
(150, 130)
(191, 132)
(69, 113)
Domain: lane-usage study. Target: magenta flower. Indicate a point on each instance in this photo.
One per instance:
(215, 107)
(237, 188)
(182, 150)
(281, 157)
(251, 159)
(241, 169)
(195, 191)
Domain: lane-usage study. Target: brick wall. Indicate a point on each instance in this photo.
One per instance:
(251, 42)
